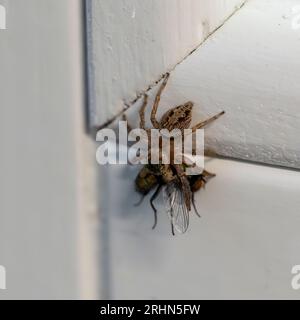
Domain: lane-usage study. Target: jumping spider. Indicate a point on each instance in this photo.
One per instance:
(178, 188)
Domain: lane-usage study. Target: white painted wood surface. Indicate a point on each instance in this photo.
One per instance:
(133, 42)
(244, 245)
(46, 163)
(251, 69)
(247, 240)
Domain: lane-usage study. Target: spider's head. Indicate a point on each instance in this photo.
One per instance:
(184, 109)
(189, 105)
(179, 117)
(184, 115)
(187, 109)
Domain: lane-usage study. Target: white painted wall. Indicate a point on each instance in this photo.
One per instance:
(250, 68)
(243, 247)
(46, 163)
(247, 241)
(133, 42)
(47, 206)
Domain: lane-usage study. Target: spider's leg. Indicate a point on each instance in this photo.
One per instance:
(129, 128)
(194, 205)
(124, 118)
(172, 225)
(172, 228)
(154, 122)
(142, 112)
(206, 122)
(153, 197)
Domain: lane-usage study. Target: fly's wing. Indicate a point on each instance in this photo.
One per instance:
(176, 207)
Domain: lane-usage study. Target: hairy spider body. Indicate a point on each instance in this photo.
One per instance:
(155, 176)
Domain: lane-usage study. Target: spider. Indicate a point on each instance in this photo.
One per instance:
(178, 187)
